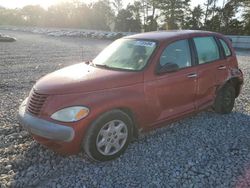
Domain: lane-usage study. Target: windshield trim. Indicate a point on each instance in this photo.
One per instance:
(131, 70)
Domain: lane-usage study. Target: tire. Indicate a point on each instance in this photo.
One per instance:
(224, 101)
(108, 136)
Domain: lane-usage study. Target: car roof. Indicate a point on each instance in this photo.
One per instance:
(163, 35)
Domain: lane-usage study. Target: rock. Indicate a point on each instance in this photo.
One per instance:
(205, 150)
(8, 167)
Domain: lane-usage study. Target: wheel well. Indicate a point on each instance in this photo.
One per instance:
(133, 118)
(236, 83)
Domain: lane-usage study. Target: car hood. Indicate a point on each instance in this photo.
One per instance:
(85, 78)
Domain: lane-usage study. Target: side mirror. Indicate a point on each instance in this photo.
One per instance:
(168, 67)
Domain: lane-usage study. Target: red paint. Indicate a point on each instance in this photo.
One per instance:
(151, 98)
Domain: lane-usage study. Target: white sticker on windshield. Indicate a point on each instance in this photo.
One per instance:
(145, 43)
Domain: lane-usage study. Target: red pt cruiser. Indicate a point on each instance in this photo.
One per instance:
(135, 84)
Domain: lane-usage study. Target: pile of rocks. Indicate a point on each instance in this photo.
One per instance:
(206, 150)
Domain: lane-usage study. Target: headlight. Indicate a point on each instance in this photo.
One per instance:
(70, 114)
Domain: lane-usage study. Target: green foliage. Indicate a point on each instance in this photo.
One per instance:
(117, 4)
(102, 15)
(33, 15)
(128, 19)
(173, 11)
(193, 21)
(67, 14)
(224, 19)
(246, 16)
(146, 15)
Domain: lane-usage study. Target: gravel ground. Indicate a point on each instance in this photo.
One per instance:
(206, 150)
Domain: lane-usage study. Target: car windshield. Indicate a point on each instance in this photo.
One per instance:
(126, 54)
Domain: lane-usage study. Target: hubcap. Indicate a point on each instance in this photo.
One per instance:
(112, 137)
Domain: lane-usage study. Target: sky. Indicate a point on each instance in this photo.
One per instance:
(47, 3)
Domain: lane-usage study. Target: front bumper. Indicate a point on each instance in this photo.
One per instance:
(43, 128)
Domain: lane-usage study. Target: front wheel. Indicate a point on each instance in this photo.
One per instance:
(224, 101)
(108, 136)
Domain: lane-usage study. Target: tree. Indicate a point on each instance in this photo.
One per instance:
(246, 16)
(173, 11)
(223, 19)
(194, 21)
(148, 10)
(122, 20)
(214, 23)
(136, 19)
(60, 15)
(128, 19)
(214, 8)
(247, 25)
(227, 14)
(118, 5)
(102, 15)
(11, 17)
(207, 10)
(82, 16)
(210, 9)
(146, 14)
(33, 15)
(235, 27)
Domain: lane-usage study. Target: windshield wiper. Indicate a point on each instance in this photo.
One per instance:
(105, 66)
(102, 66)
(91, 63)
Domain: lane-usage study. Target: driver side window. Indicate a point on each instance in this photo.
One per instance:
(178, 53)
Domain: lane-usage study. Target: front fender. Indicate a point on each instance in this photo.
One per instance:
(99, 102)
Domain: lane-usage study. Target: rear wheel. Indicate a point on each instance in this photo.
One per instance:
(108, 136)
(225, 99)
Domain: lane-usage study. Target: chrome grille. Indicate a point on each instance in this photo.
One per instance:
(36, 102)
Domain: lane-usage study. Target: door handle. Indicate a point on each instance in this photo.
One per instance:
(222, 67)
(192, 75)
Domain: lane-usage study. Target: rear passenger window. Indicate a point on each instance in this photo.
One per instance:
(207, 49)
(226, 48)
(177, 52)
